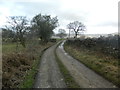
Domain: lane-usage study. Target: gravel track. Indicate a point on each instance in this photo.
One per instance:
(49, 75)
(84, 76)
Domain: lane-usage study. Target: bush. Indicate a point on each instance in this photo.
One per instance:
(106, 45)
(52, 40)
(14, 67)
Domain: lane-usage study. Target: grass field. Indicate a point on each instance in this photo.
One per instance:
(10, 48)
(104, 65)
(19, 68)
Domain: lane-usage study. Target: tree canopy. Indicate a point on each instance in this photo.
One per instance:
(7, 33)
(44, 26)
(18, 24)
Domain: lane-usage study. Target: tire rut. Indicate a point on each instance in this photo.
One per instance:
(49, 75)
(84, 76)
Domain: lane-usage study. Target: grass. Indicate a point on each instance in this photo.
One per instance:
(70, 82)
(30, 77)
(105, 66)
(19, 69)
(11, 47)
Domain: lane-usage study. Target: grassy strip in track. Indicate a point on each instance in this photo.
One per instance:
(70, 82)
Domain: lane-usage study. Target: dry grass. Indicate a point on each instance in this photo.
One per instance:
(17, 65)
(104, 65)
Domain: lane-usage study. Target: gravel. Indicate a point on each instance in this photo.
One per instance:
(84, 76)
(49, 75)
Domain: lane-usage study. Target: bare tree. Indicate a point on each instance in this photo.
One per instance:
(19, 25)
(76, 26)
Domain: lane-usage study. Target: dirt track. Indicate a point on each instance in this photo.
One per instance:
(84, 76)
(49, 75)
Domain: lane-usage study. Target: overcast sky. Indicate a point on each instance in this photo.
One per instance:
(99, 16)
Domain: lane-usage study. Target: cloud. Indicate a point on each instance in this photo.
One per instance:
(107, 24)
(93, 13)
(72, 16)
(31, 8)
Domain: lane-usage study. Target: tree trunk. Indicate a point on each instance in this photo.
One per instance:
(17, 45)
(69, 33)
(22, 40)
(76, 34)
(17, 42)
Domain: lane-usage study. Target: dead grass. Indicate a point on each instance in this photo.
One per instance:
(106, 66)
(16, 66)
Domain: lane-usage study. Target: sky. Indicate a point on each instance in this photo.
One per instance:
(99, 16)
